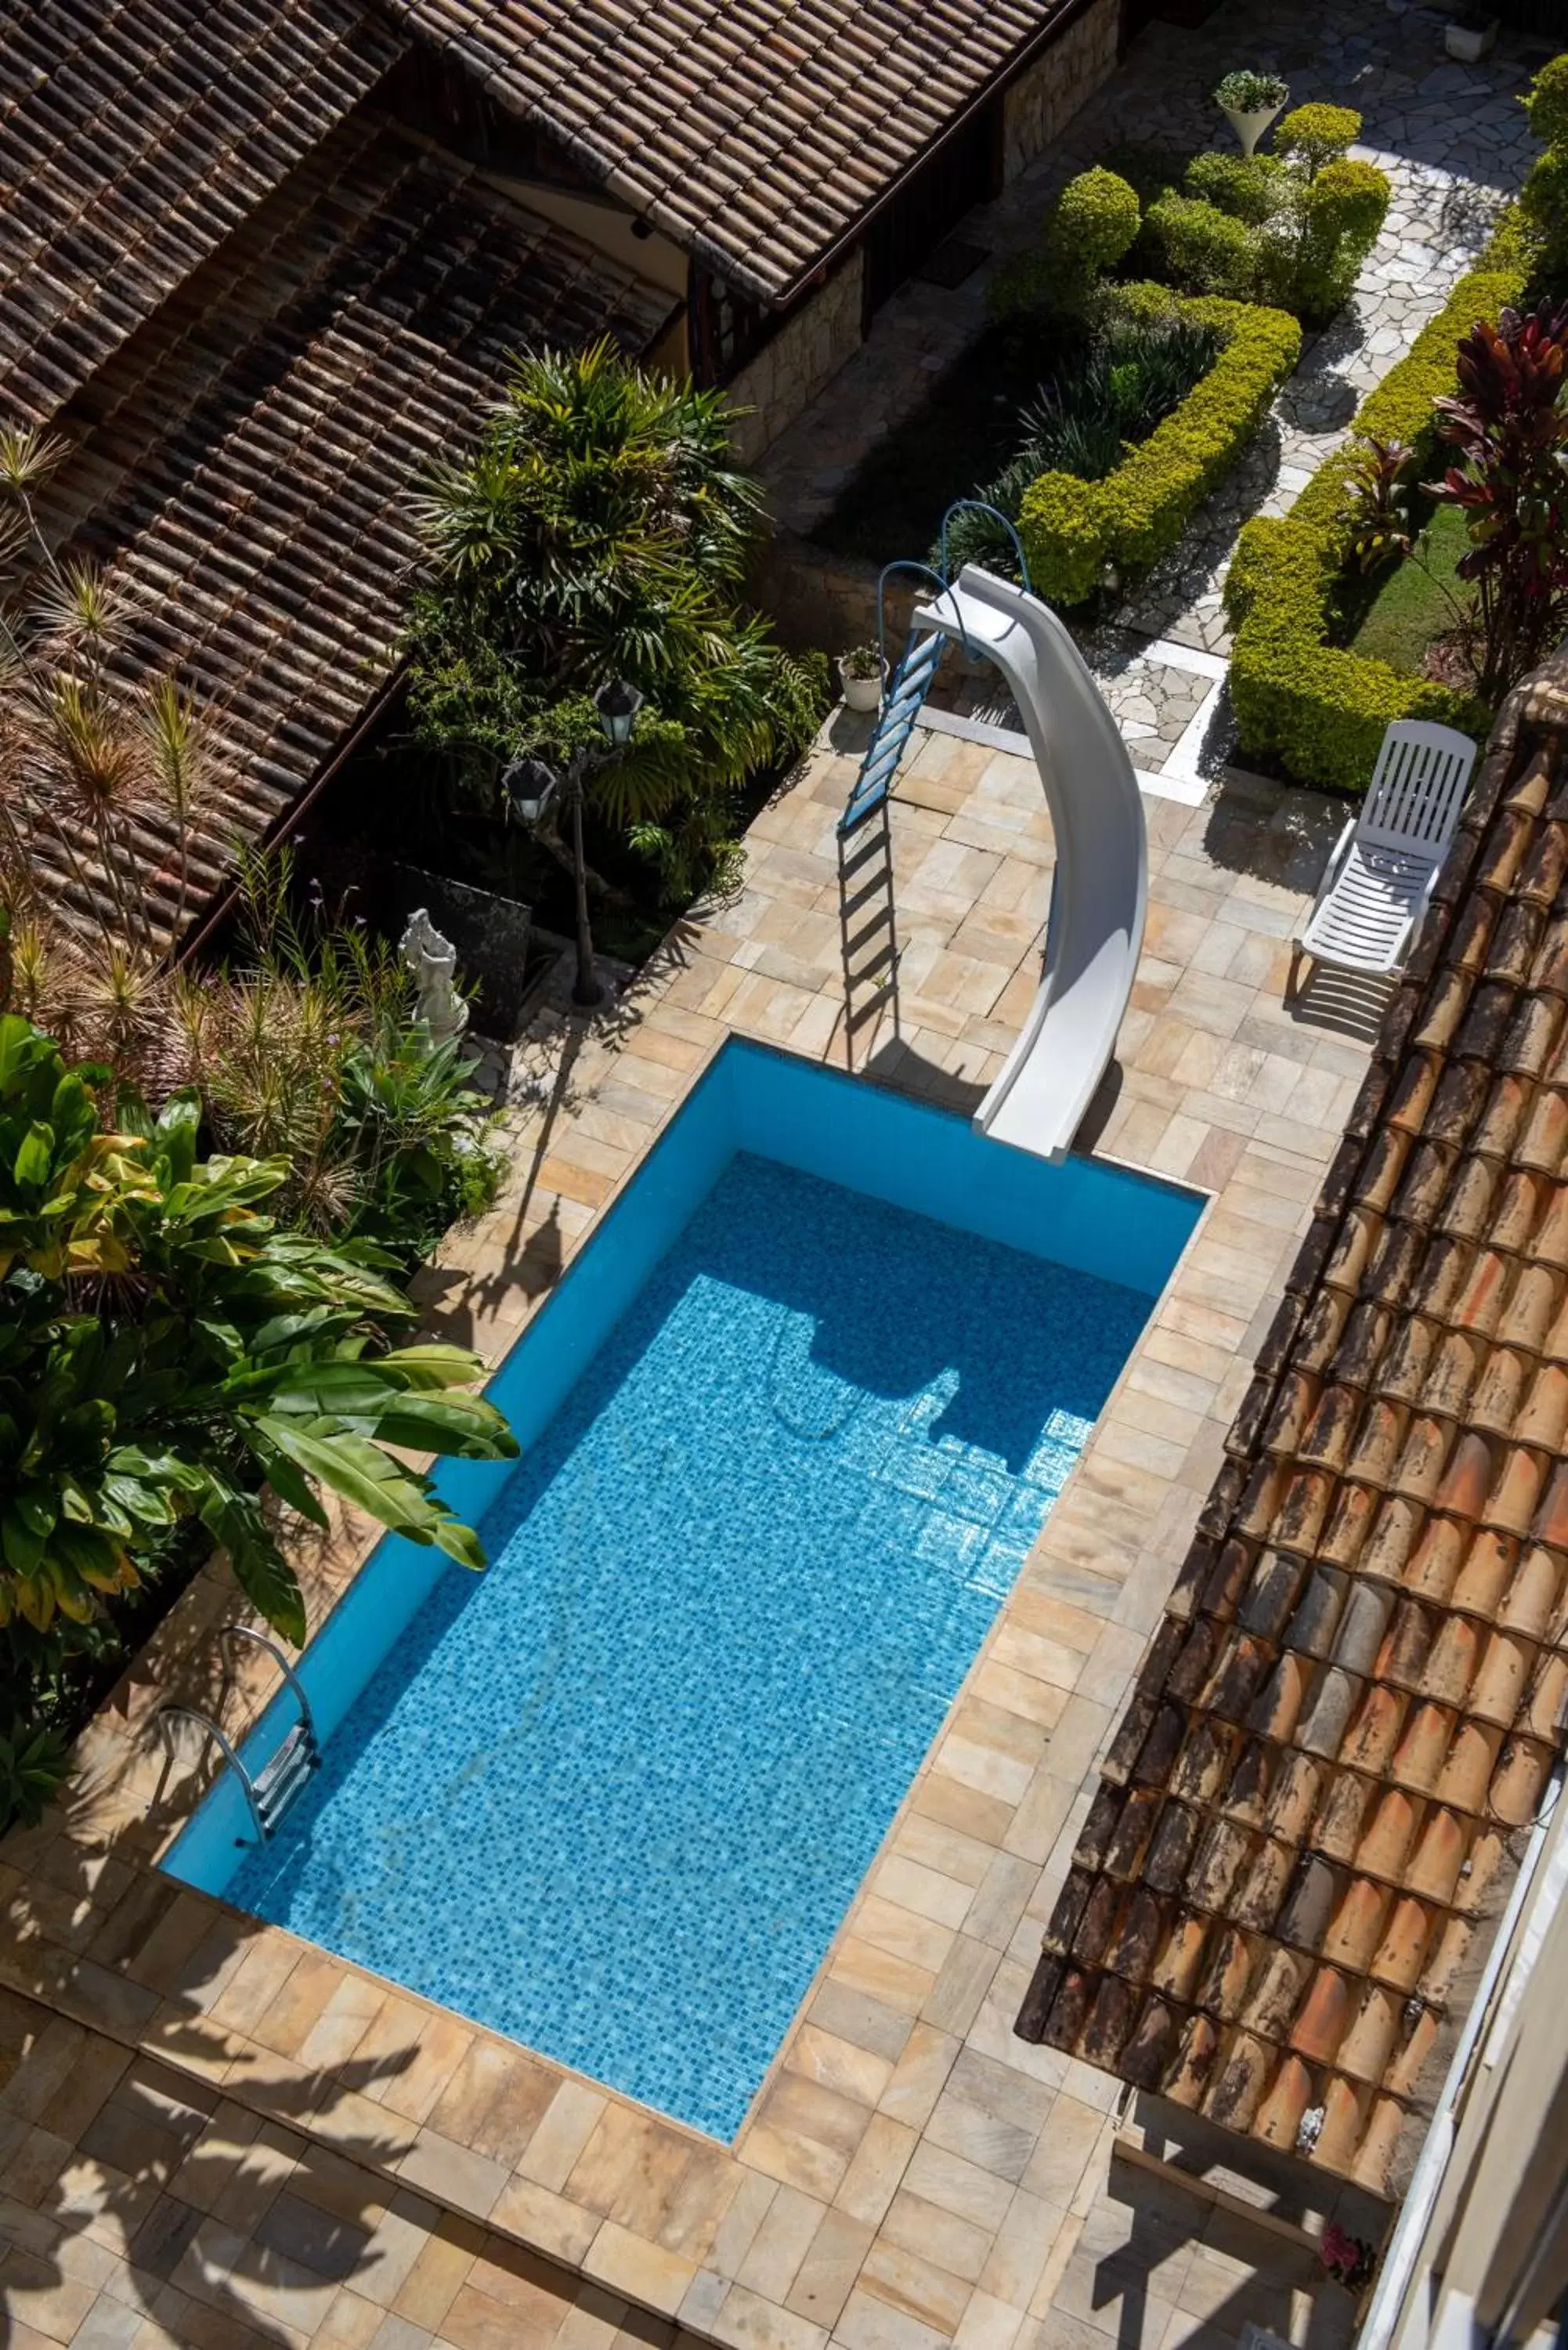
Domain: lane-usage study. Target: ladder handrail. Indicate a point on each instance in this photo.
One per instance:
(980, 505)
(164, 1717)
(899, 562)
(227, 1632)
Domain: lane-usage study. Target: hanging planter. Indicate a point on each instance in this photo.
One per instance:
(1250, 102)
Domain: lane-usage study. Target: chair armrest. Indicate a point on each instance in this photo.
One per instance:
(1407, 934)
(1331, 870)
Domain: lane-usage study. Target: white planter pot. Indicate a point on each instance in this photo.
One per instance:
(1250, 128)
(861, 692)
(1469, 42)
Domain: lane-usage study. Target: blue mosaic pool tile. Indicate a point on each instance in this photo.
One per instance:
(613, 1797)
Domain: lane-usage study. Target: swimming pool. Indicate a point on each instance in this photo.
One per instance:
(790, 1423)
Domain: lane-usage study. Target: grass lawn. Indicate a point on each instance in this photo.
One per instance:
(1415, 603)
(963, 434)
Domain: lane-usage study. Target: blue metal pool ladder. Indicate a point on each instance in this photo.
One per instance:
(911, 680)
(285, 1771)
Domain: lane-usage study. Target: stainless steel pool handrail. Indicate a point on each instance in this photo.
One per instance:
(227, 1632)
(270, 1792)
(169, 1713)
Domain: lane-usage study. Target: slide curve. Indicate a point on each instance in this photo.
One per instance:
(1100, 890)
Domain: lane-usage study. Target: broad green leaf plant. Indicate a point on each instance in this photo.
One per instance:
(166, 1346)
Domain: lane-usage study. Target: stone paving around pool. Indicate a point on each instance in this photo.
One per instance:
(1453, 139)
(207, 2126)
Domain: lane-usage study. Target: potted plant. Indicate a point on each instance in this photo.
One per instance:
(1249, 101)
(1470, 34)
(860, 674)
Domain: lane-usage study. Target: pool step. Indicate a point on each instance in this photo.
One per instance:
(268, 1792)
(277, 1783)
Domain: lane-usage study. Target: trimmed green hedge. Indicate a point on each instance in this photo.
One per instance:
(1073, 529)
(1317, 709)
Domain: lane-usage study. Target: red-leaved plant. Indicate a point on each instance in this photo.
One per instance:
(1348, 2259)
(1510, 423)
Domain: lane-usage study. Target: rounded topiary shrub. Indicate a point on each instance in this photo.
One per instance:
(1318, 133)
(1342, 209)
(1095, 222)
(1547, 104)
(1201, 249)
(1248, 187)
(1543, 199)
(1096, 219)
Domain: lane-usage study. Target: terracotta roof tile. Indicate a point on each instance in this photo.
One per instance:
(134, 136)
(243, 463)
(1349, 1717)
(754, 132)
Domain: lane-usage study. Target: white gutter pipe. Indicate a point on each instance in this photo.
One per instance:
(1398, 2270)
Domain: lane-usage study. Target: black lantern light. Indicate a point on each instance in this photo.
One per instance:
(529, 784)
(617, 704)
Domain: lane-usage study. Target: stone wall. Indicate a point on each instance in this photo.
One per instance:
(820, 600)
(788, 374)
(1040, 104)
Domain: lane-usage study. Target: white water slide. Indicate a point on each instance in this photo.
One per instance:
(1100, 889)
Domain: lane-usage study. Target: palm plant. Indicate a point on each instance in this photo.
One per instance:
(600, 532)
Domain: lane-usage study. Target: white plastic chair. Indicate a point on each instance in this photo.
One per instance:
(1385, 862)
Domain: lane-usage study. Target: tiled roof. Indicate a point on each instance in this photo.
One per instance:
(754, 132)
(134, 136)
(248, 457)
(1310, 1813)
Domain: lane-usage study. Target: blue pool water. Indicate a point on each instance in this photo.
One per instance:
(613, 1797)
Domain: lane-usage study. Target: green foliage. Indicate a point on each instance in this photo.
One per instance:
(1249, 187)
(1317, 709)
(1544, 202)
(1095, 222)
(1340, 213)
(1293, 234)
(598, 531)
(1318, 133)
(1248, 92)
(1092, 226)
(1101, 401)
(1147, 168)
(1546, 104)
(1193, 245)
(1073, 529)
(33, 1763)
(1108, 390)
(308, 1049)
(1377, 502)
(231, 1351)
(1543, 199)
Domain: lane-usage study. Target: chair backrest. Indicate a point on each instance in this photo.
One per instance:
(1417, 788)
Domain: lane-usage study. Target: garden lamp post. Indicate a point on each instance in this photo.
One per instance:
(530, 784)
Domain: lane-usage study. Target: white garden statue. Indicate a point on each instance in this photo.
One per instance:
(434, 962)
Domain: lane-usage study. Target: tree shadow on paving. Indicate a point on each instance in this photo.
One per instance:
(455, 1300)
(1276, 832)
(128, 2179)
